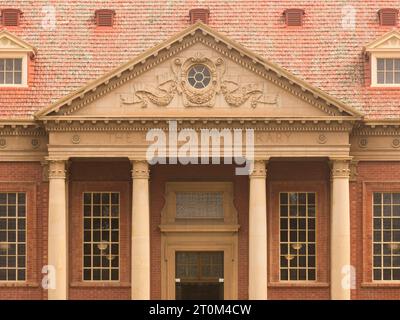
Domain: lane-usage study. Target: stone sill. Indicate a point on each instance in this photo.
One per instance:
(298, 284)
(100, 285)
(380, 284)
(19, 285)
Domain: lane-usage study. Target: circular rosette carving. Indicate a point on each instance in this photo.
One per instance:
(199, 81)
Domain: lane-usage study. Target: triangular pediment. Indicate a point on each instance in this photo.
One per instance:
(231, 82)
(388, 42)
(12, 43)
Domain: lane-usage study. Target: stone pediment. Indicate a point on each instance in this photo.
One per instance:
(11, 43)
(388, 42)
(198, 73)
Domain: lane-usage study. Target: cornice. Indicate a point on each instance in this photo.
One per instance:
(198, 124)
(22, 129)
(382, 129)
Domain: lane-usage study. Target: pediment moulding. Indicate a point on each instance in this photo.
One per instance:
(11, 43)
(389, 42)
(228, 50)
(198, 124)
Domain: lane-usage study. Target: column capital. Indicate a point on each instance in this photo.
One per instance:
(340, 168)
(259, 169)
(140, 169)
(57, 169)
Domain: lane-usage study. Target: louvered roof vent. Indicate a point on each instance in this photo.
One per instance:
(388, 16)
(199, 14)
(294, 17)
(105, 17)
(10, 17)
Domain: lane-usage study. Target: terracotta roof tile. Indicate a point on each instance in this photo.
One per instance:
(321, 52)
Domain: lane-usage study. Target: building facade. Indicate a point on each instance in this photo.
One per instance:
(119, 122)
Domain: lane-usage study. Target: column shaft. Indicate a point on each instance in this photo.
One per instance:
(340, 231)
(57, 231)
(258, 233)
(140, 255)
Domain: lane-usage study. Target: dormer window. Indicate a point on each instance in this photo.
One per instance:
(104, 17)
(15, 55)
(294, 17)
(384, 54)
(388, 71)
(10, 17)
(388, 17)
(11, 71)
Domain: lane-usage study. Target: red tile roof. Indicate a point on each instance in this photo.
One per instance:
(321, 52)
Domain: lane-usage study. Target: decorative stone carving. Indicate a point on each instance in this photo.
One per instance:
(235, 94)
(322, 139)
(35, 143)
(45, 170)
(363, 143)
(76, 139)
(353, 170)
(140, 169)
(160, 96)
(259, 169)
(3, 143)
(396, 143)
(340, 169)
(57, 169)
(193, 97)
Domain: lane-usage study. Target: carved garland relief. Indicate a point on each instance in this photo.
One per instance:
(198, 80)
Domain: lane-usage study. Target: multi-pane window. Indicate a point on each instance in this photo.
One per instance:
(388, 71)
(386, 236)
(199, 205)
(10, 71)
(297, 236)
(12, 236)
(101, 213)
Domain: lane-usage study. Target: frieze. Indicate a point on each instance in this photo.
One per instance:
(199, 69)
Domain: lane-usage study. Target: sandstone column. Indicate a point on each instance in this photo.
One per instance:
(258, 233)
(140, 245)
(57, 231)
(340, 230)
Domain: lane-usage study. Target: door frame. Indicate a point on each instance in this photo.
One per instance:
(204, 241)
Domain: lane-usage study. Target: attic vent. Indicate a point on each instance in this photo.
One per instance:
(105, 17)
(294, 17)
(10, 17)
(388, 17)
(199, 14)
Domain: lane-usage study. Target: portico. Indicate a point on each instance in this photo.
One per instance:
(295, 129)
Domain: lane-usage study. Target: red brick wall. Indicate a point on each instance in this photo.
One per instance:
(372, 176)
(87, 176)
(27, 177)
(299, 176)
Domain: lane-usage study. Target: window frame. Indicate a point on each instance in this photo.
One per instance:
(322, 236)
(306, 242)
(369, 187)
(75, 233)
(168, 215)
(372, 242)
(30, 190)
(374, 68)
(24, 69)
(83, 240)
(18, 242)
